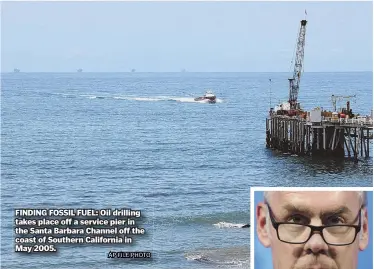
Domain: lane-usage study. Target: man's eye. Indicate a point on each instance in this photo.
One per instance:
(298, 219)
(334, 220)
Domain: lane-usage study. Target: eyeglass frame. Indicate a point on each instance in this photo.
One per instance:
(314, 229)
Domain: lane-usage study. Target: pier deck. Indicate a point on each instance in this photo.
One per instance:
(330, 137)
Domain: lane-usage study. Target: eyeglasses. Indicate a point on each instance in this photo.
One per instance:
(295, 233)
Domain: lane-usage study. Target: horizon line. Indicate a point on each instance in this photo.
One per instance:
(69, 72)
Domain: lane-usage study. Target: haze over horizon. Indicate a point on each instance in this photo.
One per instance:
(195, 36)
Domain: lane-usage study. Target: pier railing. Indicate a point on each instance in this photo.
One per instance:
(360, 122)
(368, 122)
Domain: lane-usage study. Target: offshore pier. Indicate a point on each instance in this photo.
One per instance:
(338, 133)
(320, 135)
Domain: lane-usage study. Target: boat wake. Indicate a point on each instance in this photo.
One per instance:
(191, 100)
(136, 98)
(151, 98)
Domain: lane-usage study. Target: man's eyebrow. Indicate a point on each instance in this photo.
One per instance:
(291, 208)
(338, 211)
(309, 213)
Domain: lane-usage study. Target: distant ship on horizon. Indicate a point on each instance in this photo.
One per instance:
(16, 70)
(133, 70)
(80, 70)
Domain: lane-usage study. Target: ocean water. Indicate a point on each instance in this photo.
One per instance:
(138, 140)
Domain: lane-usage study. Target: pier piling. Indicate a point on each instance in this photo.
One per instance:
(329, 137)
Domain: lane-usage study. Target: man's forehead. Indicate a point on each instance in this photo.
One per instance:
(315, 199)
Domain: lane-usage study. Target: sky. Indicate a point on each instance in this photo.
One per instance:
(196, 36)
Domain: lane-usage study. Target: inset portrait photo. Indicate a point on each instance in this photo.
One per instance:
(305, 228)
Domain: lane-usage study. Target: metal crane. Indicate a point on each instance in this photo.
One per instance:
(335, 98)
(299, 59)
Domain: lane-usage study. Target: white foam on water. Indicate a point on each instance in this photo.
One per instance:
(217, 259)
(185, 100)
(90, 96)
(163, 98)
(223, 224)
(146, 99)
(135, 98)
(194, 257)
(152, 98)
(192, 100)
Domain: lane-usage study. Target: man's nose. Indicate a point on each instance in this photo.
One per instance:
(316, 244)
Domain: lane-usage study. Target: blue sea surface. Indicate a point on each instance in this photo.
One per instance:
(140, 141)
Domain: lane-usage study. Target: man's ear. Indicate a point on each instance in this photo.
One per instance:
(364, 233)
(262, 225)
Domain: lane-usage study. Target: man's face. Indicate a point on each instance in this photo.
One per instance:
(318, 209)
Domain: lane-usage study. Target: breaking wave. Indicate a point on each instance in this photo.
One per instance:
(232, 257)
(223, 224)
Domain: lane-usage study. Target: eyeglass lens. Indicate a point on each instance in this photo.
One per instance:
(295, 233)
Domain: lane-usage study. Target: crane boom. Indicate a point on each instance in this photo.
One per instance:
(299, 59)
